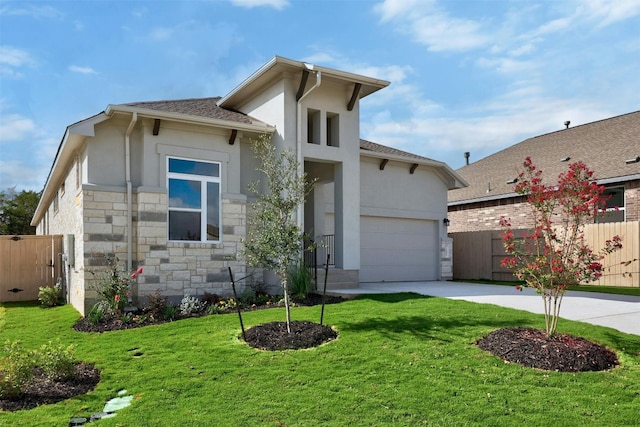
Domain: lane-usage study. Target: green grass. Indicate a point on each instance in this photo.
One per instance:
(399, 360)
(582, 288)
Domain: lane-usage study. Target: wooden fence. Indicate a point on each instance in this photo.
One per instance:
(477, 254)
(26, 263)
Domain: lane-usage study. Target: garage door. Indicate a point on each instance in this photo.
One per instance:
(393, 249)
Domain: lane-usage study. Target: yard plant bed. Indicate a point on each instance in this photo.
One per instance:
(115, 324)
(44, 391)
(561, 352)
(274, 335)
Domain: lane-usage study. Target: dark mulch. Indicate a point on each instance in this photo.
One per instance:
(561, 352)
(84, 325)
(44, 391)
(274, 335)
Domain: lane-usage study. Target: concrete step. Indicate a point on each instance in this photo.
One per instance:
(338, 279)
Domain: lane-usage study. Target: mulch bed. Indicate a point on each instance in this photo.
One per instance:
(274, 335)
(44, 391)
(561, 352)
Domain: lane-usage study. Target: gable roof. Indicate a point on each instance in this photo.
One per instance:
(604, 146)
(199, 107)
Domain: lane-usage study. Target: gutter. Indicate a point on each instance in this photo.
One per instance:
(299, 129)
(127, 172)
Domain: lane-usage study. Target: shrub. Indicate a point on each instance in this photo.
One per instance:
(300, 280)
(191, 305)
(169, 312)
(223, 306)
(114, 285)
(157, 304)
(56, 360)
(100, 312)
(16, 371)
(50, 296)
(210, 299)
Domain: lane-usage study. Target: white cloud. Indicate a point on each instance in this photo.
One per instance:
(14, 127)
(82, 70)
(433, 27)
(15, 57)
(276, 4)
(608, 12)
(33, 11)
(161, 33)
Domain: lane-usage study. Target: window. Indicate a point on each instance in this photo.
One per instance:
(333, 130)
(313, 126)
(194, 200)
(615, 205)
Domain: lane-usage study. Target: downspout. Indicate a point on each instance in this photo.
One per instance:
(127, 172)
(299, 130)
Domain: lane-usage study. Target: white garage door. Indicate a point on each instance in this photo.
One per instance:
(393, 249)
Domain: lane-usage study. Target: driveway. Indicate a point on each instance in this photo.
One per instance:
(621, 312)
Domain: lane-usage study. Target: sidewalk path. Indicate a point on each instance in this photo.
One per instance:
(621, 312)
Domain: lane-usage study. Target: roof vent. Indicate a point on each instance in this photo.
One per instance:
(466, 156)
(567, 123)
(565, 159)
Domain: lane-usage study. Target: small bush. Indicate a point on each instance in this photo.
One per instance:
(50, 296)
(191, 305)
(300, 280)
(100, 312)
(223, 306)
(16, 371)
(210, 299)
(157, 305)
(170, 312)
(56, 360)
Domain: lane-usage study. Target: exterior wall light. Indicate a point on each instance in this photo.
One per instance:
(446, 222)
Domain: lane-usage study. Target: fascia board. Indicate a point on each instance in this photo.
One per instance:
(185, 118)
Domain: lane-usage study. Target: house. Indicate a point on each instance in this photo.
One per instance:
(609, 147)
(164, 185)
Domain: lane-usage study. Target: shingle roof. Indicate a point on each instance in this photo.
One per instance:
(378, 148)
(199, 107)
(604, 146)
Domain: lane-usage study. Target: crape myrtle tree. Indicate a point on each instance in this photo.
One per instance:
(554, 255)
(274, 237)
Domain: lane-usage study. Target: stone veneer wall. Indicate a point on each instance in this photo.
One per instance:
(173, 269)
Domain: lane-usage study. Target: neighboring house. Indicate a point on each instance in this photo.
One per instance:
(610, 147)
(164, 185)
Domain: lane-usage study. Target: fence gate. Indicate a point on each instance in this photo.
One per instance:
(26, 263)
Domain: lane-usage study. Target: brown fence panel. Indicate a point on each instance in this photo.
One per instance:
(26, 263)
(477, 254)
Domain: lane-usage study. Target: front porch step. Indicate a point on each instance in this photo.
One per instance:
(338, 279)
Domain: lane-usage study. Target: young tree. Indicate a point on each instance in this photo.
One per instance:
(274, 238)
(16, 211)
(554, 255)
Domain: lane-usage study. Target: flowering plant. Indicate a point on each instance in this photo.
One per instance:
(554, 254)
(114, 285)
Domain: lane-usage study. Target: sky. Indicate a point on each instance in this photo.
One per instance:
(466, 75)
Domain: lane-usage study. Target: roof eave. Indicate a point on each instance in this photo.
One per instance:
(447, 174)
(257, 127)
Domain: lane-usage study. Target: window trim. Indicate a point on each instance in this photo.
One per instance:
(204, 180)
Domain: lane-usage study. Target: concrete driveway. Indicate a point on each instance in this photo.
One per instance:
(620, 312)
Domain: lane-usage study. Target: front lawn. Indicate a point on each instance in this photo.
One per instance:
(398, 360)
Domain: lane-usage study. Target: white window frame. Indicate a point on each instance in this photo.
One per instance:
(204, 180)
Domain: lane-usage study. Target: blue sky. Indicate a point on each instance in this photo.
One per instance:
(473, 76)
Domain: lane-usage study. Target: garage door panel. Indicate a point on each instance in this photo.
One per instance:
(394, 249)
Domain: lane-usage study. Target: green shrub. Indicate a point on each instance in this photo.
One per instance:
(100, 312)
(56, 360)
(50, 296)
(169, 312)
(191, 305)
(300, 280)
(16, 371)
(157, 305)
